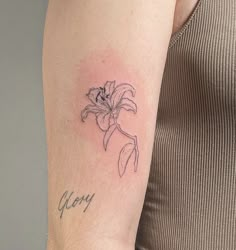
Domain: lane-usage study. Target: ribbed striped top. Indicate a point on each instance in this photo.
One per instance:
(190, 202)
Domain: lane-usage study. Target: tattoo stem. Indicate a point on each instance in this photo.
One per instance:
(134, 138)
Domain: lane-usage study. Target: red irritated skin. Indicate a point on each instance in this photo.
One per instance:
(102, 67)
(107, 103)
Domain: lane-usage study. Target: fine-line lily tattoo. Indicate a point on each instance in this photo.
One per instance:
(107, 102)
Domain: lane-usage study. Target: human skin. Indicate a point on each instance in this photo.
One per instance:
(183, 10)
(86, 44)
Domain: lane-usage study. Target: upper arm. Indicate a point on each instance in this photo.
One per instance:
(105, 148)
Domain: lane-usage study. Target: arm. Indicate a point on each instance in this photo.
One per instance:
(102, 68)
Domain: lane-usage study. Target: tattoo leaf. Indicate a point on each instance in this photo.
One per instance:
(108, 135)
(125, 155)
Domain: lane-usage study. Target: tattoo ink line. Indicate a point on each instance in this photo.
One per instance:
(107, 103)
(67, 202)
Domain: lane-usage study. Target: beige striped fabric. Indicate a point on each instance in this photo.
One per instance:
(190, 202)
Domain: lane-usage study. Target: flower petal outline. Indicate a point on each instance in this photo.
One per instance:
(92, 94)
(127, 104)
(94, 97)
(103, 120)
(90, 109)
(109, 87)
(120, 91)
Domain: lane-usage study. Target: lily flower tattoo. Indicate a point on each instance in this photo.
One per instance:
(107, 102)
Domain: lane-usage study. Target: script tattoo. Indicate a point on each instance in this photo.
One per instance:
(70, 200)
(107, 102)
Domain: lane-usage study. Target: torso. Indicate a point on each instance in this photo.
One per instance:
(191, 196)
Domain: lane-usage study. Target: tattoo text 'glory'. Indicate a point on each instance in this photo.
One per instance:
(69, 200)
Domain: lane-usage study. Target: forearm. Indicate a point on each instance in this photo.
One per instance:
(100, 144)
